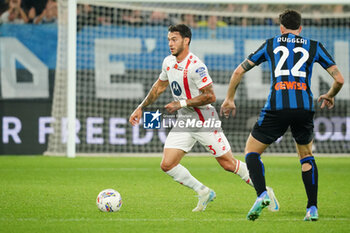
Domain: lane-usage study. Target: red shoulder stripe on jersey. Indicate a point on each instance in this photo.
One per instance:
(188, 91)
(187, 87)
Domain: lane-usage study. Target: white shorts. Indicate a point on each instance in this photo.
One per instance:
(214, 142)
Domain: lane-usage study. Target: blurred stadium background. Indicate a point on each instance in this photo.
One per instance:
(120, 46)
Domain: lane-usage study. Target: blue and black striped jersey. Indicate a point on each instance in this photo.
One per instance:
(291, 59)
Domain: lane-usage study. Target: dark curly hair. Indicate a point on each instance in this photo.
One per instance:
(290, 19)
(184, 30)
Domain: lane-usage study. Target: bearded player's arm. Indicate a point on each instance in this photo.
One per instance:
(157, 89)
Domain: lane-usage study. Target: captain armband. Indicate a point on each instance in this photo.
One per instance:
(246, 65)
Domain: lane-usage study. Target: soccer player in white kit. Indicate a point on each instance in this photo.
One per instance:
(193, 93)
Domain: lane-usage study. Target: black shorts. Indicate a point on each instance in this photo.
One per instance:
(273, 124)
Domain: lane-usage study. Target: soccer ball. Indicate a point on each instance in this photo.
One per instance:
(109, 200)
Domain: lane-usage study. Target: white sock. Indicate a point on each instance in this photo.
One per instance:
(180, 174)
(242, 171)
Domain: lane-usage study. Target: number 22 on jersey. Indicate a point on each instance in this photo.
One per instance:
(296, 68)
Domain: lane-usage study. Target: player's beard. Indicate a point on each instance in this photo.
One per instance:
(178, 51)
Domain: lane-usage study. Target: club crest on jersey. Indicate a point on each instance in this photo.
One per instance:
(177, 67)
(201, 71)
(175, 87)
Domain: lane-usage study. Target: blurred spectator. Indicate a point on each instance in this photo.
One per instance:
(49, 14)
(45, 11)
(245, 9)
(215, 21)
(86, 15)
(133, 17)
(38, 5)
(106, 15)
(158, 18)
(338, 9)
(267, 20)
(3, 6)
(189, 20)
(31, 15)
(339, 22)
(232, 20)
(316, 21)
(14, 14)
(212, 22)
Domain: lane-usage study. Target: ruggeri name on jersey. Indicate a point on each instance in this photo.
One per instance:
(292, 40)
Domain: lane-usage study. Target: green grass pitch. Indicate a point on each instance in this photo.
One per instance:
(50, 194)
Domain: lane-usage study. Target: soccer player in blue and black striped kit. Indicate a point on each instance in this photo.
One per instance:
(289, 104)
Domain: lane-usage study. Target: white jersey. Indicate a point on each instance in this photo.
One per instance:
(186, 79)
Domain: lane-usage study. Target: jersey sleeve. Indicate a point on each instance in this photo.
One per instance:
(200, 76)
(163, 75)
(323, 57)
(259, 55)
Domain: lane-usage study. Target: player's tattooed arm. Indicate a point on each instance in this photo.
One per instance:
(333, 71)
(338, 80)
(228, 106)
(157, 89)
(247, 65)
(207, 96)
(328, 98)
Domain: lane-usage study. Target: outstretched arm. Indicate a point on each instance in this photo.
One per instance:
(328, 98)
(158, 88)
(206, 97)
(229, 104)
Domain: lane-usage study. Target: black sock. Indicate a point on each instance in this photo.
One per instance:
(256, 171)
(310, 179)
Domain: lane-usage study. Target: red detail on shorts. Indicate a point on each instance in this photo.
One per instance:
(176, 66)
(168, 68)
(194, 61)
(191, 57)
(215, 132)
(188, 91)
(204, 79)
(212, 149)
(248, 181)
(219, 140)
(223, 148)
